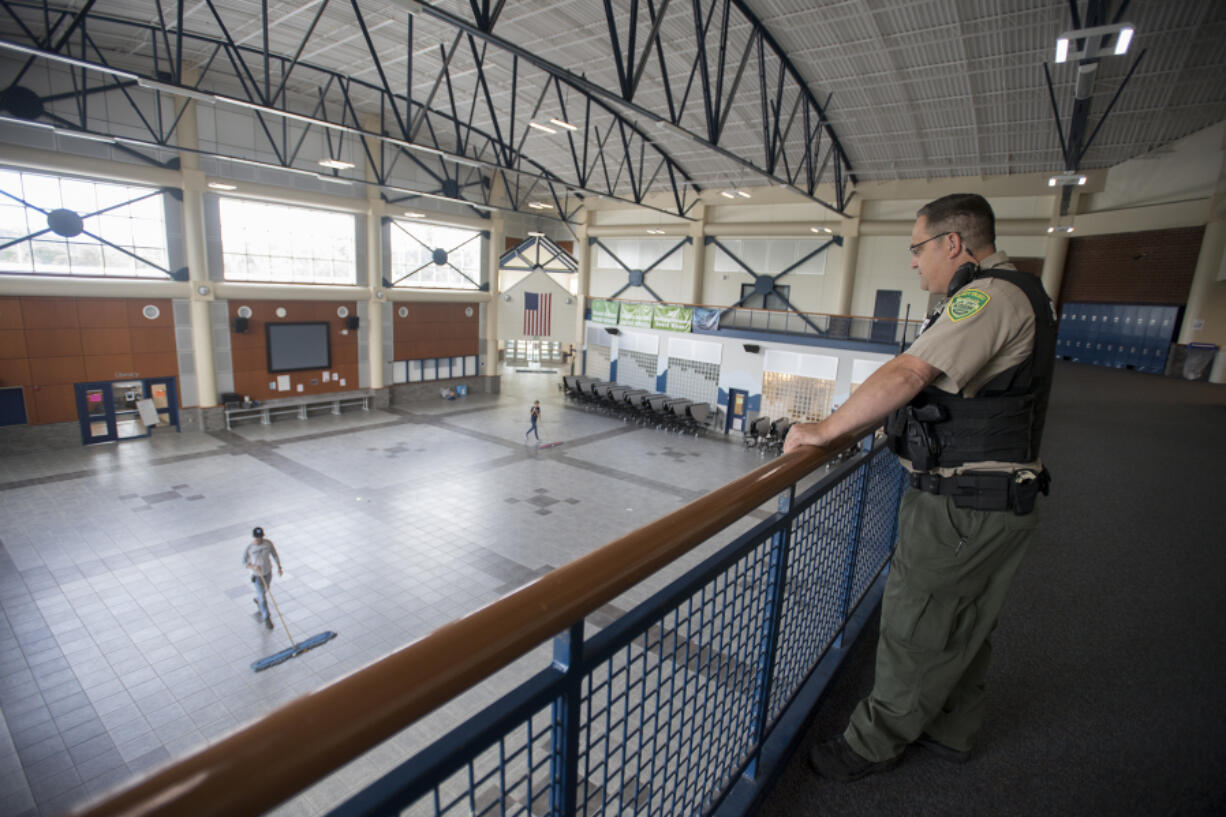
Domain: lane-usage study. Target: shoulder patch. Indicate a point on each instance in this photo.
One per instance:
(967, 303)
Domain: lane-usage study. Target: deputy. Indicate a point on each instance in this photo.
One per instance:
(964, 410)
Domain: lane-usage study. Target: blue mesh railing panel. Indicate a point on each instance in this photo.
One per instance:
(816, 583)
(662, 711)
(686, 684)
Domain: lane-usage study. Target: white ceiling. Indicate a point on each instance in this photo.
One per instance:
(916, 88)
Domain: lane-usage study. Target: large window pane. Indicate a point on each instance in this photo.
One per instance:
(276, 242)
(134, 220)
(416, 248)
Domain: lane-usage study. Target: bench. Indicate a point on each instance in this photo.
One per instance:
(299, 406)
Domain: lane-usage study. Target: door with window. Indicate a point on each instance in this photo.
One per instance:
(738, 400)
(110, 410)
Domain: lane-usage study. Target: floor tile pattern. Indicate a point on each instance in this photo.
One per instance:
(126, 634)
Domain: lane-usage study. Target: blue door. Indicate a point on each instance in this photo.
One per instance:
(738, 407)
(96, 412)
(886, 306)
(12, 406)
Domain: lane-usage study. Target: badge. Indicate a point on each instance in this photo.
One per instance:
(967, 303)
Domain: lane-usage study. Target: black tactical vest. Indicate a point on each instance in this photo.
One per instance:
(1003, 421)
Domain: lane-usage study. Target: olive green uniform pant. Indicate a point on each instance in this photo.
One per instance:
(948, 580)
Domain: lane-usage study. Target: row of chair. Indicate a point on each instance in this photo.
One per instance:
(639, 405)
(767, 435)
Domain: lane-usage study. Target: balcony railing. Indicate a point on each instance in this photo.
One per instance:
(677, 707)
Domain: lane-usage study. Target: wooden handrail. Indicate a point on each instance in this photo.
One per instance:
(266, 763)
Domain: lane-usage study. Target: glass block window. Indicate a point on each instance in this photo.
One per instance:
(802, 399)
(431, 256)
(637, 369)
(57, 225)
(694, 380)
(598, 360)
(283, 244)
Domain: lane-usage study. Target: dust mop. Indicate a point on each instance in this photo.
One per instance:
(296, 648)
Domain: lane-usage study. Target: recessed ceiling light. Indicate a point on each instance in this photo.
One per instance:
(541, 127)
(222, 186)
(561, 123)
(336, 164)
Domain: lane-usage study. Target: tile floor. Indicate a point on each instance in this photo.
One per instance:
(127, 634)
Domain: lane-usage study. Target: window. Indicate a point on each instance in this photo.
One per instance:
(430, 256)
(284, 244)
(57, 225)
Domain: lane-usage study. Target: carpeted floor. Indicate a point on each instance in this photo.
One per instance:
(1106, 690)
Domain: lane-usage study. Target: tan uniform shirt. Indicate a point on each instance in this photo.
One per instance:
(983, 329)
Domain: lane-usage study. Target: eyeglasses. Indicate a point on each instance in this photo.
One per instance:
(914, 249)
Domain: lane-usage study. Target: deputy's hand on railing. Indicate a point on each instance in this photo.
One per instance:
(801, 434)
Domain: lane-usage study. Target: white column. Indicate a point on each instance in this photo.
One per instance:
(374, 304)
(1057, 247)
(1201, 321)
(498, 233)
(698, 255)
(194, 243)
(583, 254)
(845, 284)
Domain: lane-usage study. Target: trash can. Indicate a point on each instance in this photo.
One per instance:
(1198, 359)
(462, 390)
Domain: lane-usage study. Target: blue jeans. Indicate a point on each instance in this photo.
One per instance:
(532, 430)
(260, 598)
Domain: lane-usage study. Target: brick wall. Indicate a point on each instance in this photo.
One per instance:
(1152, 267)
(49, 344)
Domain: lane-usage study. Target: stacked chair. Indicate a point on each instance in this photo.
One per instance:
(661, 411)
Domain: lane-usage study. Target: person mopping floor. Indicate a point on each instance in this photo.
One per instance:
(258, 559)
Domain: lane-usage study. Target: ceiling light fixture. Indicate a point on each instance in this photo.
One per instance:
(1060, 229)
(744, 194)
(541, 127)
(1066, 179)
(540, 205)
(414, 214)
(222, 186)
(336, 164)
(562, 123)
(655, 231)
(728, 194)
(820, 230)
(535, 234)
(1123, 32)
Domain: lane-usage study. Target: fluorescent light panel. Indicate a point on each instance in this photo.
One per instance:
(561, 123)
(541, 127)
(336, 164)
(1123, 31)
(222, 186)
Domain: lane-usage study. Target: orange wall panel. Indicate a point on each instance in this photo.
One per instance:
(49, 313)
(53, 342)
(250, 355)
(14, 372)
(102, 313)
(106, 341)
(10, 313)
(152, 340)
(136, 317)
(57, 370)
(12, 344)
(155, 364)
(108, 367)
(52, 404)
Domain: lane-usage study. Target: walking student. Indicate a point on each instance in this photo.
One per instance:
(258, 559)
(533, 417)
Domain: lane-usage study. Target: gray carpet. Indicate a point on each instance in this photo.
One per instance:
(1106, 690)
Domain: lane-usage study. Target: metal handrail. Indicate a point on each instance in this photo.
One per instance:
(266, 763)
(725, 308)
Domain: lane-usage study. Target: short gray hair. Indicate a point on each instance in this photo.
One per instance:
(967, 214)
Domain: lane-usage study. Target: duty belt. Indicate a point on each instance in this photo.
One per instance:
(988, 491)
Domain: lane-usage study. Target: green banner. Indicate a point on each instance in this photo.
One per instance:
(672, 318)
(604, 311)
(637, 315)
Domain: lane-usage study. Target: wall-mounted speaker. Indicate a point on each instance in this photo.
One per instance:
(351, 322)
(752, 348)
(240, 325)
(612, 330)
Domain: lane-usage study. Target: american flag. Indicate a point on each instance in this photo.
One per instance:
(536, 313)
